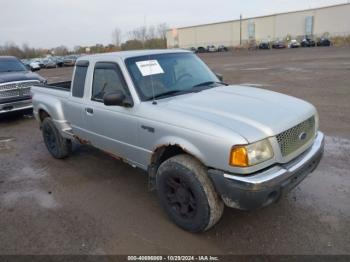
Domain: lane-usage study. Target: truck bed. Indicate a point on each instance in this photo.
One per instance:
(64, 86)
(60, 89)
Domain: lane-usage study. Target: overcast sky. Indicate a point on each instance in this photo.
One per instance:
(50, 23)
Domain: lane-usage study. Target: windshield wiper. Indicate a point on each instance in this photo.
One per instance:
(169, 93)
(194, 89)
(175, 92)
(210, 83)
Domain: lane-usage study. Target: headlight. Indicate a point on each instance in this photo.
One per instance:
(317, 121)
(251, 155)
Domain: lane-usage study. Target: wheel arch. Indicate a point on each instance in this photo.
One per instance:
(42, 114)
(165, 150)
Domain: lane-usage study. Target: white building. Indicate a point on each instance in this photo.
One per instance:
(330, 20)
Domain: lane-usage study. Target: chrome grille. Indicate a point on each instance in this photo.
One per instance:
(294, 138)
(16, 89)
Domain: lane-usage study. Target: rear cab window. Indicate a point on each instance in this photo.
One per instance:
(79, 79)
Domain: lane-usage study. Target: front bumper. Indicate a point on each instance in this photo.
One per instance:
(266, 187)
(15, 106)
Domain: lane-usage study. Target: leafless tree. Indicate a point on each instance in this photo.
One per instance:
(61, 50)
(117, 37)
(161, 30)
(11, 49)
(151, 32)
(77, 49)
(139, 33)
(147, 37)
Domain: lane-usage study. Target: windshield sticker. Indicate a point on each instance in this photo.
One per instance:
(150, 67)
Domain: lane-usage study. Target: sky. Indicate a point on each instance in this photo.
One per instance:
(51, 23)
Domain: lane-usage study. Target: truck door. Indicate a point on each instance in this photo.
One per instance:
(111, 128)
(74, 108)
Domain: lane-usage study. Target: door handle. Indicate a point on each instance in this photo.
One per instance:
(89, 110)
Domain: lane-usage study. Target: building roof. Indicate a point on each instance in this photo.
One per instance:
(262, 16)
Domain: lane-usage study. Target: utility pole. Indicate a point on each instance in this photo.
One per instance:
(240, 30)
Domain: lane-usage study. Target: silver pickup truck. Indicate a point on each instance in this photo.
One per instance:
(203, 143)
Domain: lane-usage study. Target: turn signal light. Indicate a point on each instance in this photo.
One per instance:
(239, 157)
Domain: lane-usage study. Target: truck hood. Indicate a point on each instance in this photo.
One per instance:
(19, 76)
(250, 112)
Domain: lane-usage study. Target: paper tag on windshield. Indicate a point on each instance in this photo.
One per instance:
(150, 67)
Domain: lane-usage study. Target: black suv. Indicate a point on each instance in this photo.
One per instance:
(201, 49)
(308, 42)
(15, 82)
(324, 42)
(264, 45)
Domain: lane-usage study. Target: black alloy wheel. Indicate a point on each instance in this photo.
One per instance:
(180, 197)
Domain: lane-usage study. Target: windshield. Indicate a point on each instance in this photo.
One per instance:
(11, 65)
(169, 74)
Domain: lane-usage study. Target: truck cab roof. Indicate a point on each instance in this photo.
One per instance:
(6, 58)
(127, 54)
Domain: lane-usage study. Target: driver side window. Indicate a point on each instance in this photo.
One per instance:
(108, 78)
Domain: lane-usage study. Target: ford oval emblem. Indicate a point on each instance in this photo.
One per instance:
(302, 136)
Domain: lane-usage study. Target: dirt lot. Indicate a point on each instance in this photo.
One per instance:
(93, 204)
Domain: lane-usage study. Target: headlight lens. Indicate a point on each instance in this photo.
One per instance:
(250, 155)
(317, 120)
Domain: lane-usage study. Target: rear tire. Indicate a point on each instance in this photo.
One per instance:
(58, 146)
(187, 194)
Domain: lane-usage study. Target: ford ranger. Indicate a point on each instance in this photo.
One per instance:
(203, 143)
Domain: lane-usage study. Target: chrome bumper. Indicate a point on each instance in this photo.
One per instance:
(15, 106)
(263, 188)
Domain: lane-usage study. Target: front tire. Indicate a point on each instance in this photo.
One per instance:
(187, 194)
(58, 146)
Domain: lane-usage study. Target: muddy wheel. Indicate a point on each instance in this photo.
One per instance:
(187, 194)
(58, 146)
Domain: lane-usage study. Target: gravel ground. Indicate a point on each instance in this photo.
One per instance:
(93, 204)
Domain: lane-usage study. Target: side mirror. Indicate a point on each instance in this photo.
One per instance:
(220, 77)
(117, 98)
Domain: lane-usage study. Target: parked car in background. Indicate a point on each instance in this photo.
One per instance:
(264, 45)
(324, 42)
(39, 61)
(34, 66)
(222, 48)
(211, 49)
(279, 45)
(58, 60)
(308, 42)
(26, 62)
(193, 49)
(15, 82)
(70, 60)
(49, 63)
(294, 44)
(31, 65)
(201, 49)
(203, 143)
